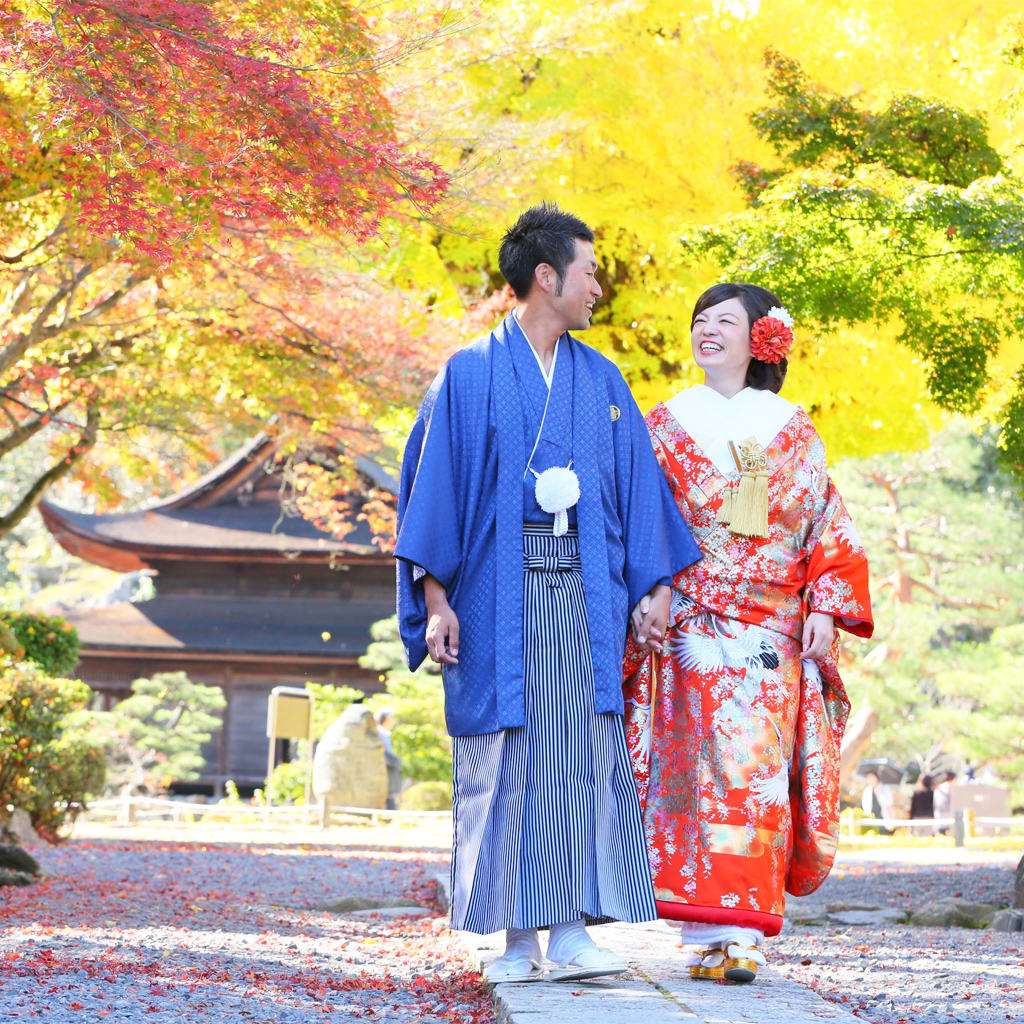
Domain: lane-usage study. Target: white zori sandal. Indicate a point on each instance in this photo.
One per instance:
(576, 956)
(509, 969)
(520, 962)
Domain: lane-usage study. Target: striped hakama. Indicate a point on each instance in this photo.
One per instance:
(547, 817)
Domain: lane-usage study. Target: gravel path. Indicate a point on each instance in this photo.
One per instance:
(222, 932)
(231, 932)
(902, 974)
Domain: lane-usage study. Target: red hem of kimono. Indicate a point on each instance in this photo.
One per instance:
(770, 924)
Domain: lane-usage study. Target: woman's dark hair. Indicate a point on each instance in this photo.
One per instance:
(543, 234)
(756, 301)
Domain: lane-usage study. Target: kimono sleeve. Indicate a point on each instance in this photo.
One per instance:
(657, 540)
(429, 527)
(837, 567)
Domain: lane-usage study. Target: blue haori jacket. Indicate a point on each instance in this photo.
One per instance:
(460, 517)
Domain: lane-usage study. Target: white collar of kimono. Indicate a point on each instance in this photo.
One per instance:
(548, 375)
(712, 420)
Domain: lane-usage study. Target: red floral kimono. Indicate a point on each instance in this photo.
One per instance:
(734, 740)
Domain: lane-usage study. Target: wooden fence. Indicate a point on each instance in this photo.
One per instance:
(962, 825)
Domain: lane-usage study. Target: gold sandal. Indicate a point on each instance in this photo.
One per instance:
(740, 970)
(708, 973)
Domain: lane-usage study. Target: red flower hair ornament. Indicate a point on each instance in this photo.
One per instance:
(771, 337)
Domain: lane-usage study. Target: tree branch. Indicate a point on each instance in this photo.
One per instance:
(23, 431)
(39, 332)
(29, 500)
(18, 257)
(22, 342)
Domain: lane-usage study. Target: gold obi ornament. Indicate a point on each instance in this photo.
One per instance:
(745, 505)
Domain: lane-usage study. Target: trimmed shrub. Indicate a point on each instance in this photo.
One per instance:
(157, 734)
(47, 640)
(48, 760)
(288, 783)
(428, 796)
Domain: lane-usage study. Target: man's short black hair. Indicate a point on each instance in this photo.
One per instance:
(543, 234)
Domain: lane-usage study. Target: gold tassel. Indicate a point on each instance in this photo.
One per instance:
(749, 506)
(750, 509)
(725, 511)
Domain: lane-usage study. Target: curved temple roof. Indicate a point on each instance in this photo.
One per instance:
(234, 511)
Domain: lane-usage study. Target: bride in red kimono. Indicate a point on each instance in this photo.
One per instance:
(734, 729)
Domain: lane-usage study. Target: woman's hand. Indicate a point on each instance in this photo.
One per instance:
(819, 631)
(442, 624)
(650, 618)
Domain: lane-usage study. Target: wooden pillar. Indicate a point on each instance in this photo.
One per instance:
(222, 739)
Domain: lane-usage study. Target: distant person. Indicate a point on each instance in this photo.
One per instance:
(943, 803)
(876, 801)
(922, 802)
(385, 719)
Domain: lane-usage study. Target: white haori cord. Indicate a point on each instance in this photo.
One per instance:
(557, 488)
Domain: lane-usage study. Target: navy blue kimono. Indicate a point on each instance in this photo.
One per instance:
(462, 505)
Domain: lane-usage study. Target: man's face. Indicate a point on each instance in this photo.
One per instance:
(579, 290)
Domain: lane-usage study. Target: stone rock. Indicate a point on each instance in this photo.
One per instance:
(950, 912)
(14, 858)
(349, 768)
(350, 904)
(394, 912)
(808, 920)
(1018, 886)
(15, 878)
(803, 911)
(1008, 921)
(19, 828)
(873, 918)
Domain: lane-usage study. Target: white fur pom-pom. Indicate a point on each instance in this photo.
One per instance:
(558, 489)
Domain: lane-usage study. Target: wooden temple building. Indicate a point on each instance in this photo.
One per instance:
(247, 598)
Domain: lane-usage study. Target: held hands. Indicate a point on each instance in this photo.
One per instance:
(650, 618)
(818, 633)
(442, 624)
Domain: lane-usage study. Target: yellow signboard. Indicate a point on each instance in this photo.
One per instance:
(289, 716)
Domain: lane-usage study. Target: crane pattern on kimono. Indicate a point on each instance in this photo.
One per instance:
(773, 791)
(750, 649)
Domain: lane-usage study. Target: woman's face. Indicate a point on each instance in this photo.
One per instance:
(720, 337)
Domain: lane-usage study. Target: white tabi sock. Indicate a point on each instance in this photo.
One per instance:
(568, 940)
(522, 942)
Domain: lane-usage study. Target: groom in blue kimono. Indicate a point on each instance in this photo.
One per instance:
(532, 518)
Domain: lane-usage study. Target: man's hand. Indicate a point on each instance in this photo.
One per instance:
(819, 630)
(442, 624)
(650, 618)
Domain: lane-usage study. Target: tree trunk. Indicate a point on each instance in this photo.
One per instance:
(859, 731)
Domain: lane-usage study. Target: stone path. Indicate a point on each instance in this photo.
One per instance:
(658, 990)
(844, 956)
